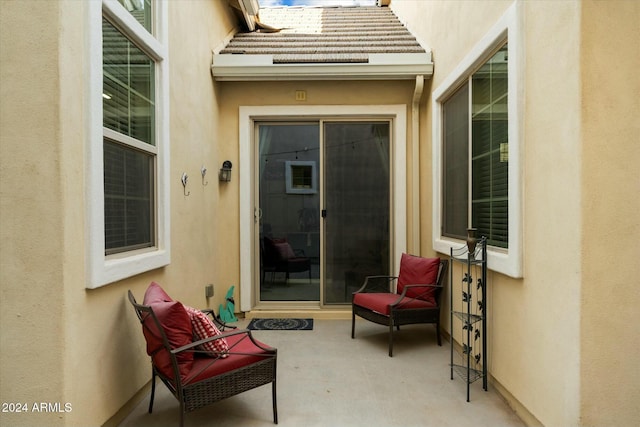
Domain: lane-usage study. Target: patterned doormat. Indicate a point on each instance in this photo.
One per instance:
(281, 324)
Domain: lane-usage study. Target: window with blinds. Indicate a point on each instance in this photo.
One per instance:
(455, 211)
(475, 146)
(128, 199)
(129, 143)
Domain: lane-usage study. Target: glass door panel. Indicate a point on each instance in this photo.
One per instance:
(356, 205)
(289, 206)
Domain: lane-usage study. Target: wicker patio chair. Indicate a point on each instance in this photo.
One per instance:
(415, 299)
(195, 376)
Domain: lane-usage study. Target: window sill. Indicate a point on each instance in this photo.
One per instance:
(500, 260)
(114, 268)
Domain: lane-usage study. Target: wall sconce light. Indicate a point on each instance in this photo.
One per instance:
(225, 172)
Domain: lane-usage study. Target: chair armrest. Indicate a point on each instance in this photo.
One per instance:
(245, 332)
(377, 283)
(407, 287)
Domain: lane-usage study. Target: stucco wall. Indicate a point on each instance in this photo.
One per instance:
(533, 322)
(558, 345)
(62, 343)
(610, 60)
(32, 215)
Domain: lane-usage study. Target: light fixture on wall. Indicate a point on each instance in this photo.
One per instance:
(225, 171)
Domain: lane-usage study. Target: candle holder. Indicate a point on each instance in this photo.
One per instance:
(472, 241)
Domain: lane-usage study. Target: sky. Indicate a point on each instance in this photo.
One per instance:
(270, 3)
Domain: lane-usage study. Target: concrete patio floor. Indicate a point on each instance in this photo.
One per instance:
(327, 379)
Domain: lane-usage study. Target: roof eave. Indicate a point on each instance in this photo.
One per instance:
(386, 66)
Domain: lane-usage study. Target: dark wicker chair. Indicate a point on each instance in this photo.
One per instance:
(208, 378)
(279, 257)
(416, 298)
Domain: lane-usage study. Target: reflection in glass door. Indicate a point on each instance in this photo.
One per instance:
(322, 218)
(289, 205)
(356, 207)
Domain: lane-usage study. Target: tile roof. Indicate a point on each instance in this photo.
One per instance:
(325, 35)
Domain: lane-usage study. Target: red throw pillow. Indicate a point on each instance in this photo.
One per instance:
(415, 270)
(155, 293)
(284, 250)
(203, 327)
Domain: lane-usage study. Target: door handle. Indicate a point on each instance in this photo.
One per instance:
(324, 213)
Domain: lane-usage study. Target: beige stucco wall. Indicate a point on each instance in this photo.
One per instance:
(610, 297)
(62, 343)
(558, 345)
(32, 245)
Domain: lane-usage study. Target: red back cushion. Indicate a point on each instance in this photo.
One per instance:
(416, 270)
(176, 324)
(155, 293)
(284, 250)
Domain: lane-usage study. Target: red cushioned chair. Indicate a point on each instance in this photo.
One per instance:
(416, 298)
(194, 373)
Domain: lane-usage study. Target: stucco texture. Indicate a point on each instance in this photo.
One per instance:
(32, 249)
(62, 343)
(610, 108)
(560, 345)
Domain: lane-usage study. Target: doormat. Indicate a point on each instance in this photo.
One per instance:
(281, 324)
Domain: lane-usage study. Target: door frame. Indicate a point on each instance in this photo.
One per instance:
(248, 115)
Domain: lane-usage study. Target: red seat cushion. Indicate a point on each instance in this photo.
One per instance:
(380, 302)
(416, 270)
(207, 367)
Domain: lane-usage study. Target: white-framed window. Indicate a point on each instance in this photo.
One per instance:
(127, 152)
(300, 177)
(477, 165)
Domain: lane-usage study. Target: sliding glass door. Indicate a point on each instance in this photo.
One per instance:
(323, 207)
(356, 206)
(289, 206)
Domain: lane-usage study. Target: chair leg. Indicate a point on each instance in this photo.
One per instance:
(390, 338)
(275, 406)
(353, 324)
(438, 333)
(183, 409)
(153, 389)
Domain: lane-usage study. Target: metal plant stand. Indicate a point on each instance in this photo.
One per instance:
(468, 312)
